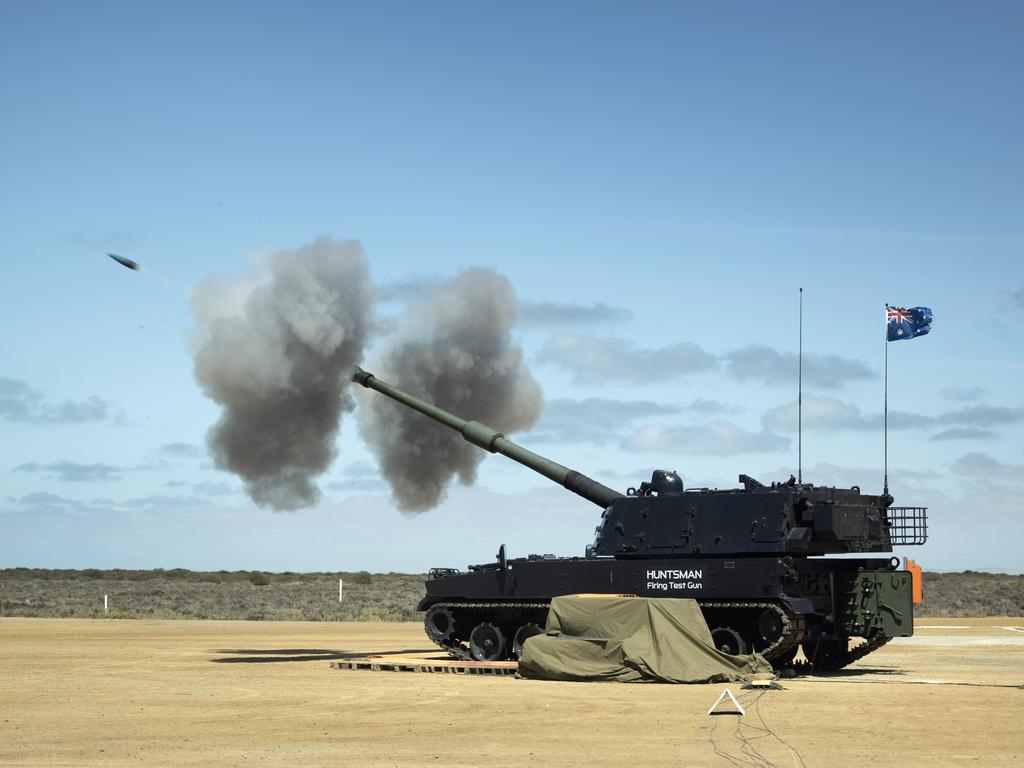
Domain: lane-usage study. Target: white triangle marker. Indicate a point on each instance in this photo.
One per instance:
(738, 709)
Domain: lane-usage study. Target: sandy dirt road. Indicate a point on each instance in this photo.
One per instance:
(191, 693)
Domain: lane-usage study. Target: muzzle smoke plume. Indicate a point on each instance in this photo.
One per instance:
(277, 355)
(453, 349)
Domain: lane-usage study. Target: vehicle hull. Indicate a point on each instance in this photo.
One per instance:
(817, 600)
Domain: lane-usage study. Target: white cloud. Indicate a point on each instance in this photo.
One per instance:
(548, 313)
(770, 366)
(981, 465)
(595, 360)
(715, 438)
(19, 402)
(830, 414)
(592, 419)
(72, 472)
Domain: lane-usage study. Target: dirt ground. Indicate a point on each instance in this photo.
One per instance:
(78, 692)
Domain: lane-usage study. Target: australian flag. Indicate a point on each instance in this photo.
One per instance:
(903, 323)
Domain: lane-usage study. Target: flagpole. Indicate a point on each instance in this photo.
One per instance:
(800, 400)
(885, 429)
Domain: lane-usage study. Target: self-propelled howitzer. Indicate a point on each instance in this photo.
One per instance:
(751, 556)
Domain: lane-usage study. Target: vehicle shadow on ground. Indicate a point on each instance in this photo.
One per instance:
(278, 655)
(855, 672)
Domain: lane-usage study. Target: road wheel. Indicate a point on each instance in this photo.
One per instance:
(769, 626)
(524, 633)
(439, 624)
(486, 643)
(728, 640)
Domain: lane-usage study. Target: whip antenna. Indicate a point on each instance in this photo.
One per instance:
(800, 399)
(885, 419)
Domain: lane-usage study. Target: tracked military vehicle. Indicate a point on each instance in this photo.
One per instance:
(752, 556)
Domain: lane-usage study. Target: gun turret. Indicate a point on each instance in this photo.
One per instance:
(491, 440)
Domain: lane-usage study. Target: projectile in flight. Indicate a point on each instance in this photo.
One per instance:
(125, 262)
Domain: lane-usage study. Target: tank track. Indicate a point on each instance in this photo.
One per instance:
(792, 624)
(836, 662)
(459, 650)
(789, 640)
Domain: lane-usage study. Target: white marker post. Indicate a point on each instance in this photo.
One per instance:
(340, 590)
(104, 603)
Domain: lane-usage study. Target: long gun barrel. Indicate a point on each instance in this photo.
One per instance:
(491, 440)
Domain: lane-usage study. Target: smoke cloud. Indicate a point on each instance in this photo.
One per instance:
(454, 349)
(277, 351)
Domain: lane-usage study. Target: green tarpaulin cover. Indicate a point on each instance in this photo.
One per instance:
(631, 640)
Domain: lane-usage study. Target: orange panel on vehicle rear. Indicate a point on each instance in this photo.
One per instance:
(917, 582)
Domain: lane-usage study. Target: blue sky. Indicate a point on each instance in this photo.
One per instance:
(655, 180)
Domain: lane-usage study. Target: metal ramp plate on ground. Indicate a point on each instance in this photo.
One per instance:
(437, 666)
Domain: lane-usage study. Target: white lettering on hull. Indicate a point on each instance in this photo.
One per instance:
(675, 580)
(675, 574)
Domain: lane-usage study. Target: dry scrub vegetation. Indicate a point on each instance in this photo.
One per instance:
(972, 593)
(183, 594)
(258, 595)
